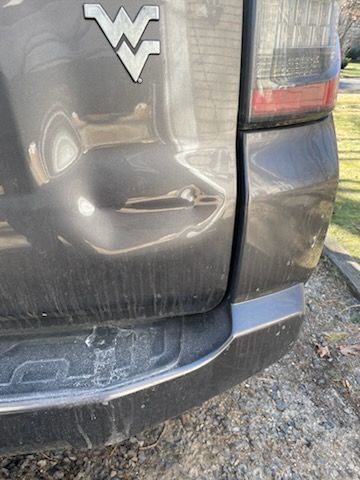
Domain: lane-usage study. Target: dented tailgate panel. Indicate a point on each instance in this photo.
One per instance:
(117, 184)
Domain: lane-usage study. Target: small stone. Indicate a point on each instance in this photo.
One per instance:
(275, 392)
(59, 475)
(281, 405)
(328, 425)
(42, 463)
(142, 457)
(5, 472)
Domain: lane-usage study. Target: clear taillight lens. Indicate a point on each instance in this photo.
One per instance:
(295, 61)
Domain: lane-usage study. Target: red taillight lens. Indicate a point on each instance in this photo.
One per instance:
(295, 60)
(298, 98)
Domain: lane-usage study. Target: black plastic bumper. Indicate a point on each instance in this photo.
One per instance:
(260, 331)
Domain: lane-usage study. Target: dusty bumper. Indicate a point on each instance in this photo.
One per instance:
(262, 330)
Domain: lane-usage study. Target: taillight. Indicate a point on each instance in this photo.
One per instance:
(293, 64)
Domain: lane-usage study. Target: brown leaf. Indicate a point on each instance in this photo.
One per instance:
(323, 351)
(348, 350)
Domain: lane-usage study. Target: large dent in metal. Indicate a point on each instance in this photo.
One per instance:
(118, 199)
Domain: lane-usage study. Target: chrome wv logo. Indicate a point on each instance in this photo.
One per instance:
(123, 28)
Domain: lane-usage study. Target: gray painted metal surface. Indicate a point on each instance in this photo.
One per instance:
(291, 178)
(118, 199)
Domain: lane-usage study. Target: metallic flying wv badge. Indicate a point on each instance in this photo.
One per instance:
(131, 32)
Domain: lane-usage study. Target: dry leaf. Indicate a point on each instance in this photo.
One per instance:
(323, 351)
(348, 350)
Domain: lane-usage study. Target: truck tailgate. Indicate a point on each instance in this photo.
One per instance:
(117, 196)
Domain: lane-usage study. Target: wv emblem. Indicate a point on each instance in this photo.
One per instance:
(135, 58)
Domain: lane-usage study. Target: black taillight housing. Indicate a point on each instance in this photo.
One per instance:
(291, 61)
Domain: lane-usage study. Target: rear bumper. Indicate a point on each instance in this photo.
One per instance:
(260, 331)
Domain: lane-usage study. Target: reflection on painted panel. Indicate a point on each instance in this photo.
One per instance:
(119, 197)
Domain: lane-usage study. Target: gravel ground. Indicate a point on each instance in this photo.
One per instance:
(297, 420)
